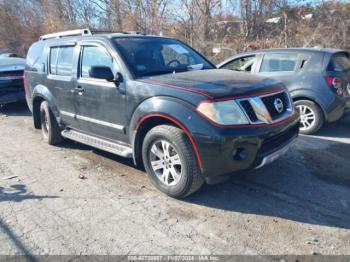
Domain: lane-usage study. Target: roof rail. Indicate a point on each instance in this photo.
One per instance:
(77, 32)
(116, 32)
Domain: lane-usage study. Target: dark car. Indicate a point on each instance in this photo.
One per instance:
(8, 55)
(317, 79)
(11, 80)
(156, 100)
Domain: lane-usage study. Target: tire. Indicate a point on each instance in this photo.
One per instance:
(49, 127)
(172, 144)
(311, 116)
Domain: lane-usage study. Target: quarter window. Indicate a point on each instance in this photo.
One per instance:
(95, 56)
(279, 62)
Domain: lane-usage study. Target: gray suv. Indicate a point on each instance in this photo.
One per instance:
(318, 80)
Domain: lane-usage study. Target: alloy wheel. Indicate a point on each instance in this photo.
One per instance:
(165, 162)
(307, 117)
(45, 120)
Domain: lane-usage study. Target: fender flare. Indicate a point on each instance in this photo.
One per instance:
(169, 109)
(312, 96)
(43, 93)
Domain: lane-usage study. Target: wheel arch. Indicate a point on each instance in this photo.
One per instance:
(41, 93)
(160, 111)
(301, 97)
(150, 121)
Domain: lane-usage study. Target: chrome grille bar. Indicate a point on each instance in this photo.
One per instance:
(263, 115)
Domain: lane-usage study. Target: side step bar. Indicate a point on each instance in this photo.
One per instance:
(105, 145)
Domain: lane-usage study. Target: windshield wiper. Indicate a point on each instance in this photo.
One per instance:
(159, 72)
(175, 70)
(196, 67)
(189, 68)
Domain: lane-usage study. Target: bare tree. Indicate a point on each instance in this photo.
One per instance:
(230, 25)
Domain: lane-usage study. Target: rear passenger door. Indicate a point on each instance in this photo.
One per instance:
(100, 104)
(62, 79)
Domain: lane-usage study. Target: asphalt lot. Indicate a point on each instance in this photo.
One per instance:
(298, 205)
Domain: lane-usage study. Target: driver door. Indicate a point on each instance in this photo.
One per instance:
(100, 103)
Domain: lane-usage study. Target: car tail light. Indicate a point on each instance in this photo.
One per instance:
(336, 84)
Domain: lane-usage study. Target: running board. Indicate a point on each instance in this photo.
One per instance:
(105, 145)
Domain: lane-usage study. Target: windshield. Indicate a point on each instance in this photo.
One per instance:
(147, 56)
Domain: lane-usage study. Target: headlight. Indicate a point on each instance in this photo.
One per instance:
(223, 112)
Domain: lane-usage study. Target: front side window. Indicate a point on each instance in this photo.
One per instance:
(146, 56)
(95, 56)
(279, 62)
(244, 64)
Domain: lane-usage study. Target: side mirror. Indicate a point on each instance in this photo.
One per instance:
(118, 78)
(101, 72)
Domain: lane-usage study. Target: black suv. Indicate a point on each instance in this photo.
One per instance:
(11, 80)
(318, 80)
(156, 100)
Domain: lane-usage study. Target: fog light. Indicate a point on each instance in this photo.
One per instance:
(239, 154)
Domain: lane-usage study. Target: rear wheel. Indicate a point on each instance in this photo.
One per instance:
(311, 116)
(170, 161)
(49, 127)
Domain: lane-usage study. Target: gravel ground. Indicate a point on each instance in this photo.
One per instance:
(298, 205)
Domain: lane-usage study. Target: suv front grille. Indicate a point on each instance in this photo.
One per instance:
(249, 110)
(270, 144)
(268, 108)
(269, 103)
(15, 74)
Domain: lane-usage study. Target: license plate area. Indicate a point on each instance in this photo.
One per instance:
(273, 156)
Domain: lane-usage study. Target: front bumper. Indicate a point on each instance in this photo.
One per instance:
(234, 150)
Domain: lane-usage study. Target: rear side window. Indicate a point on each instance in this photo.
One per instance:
(53, 60)
(339, 62)
(279, 62)
(65, 61)
(61, 60)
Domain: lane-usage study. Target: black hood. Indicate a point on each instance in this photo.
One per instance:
(217, 83)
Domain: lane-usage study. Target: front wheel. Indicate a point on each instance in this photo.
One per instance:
(170, 161)
(49, 127)
(311, 116)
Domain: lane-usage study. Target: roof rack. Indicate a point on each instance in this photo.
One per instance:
(77, 32)
(82, 32)
(116, 32)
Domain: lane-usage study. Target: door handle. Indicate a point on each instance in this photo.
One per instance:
(80, 90)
